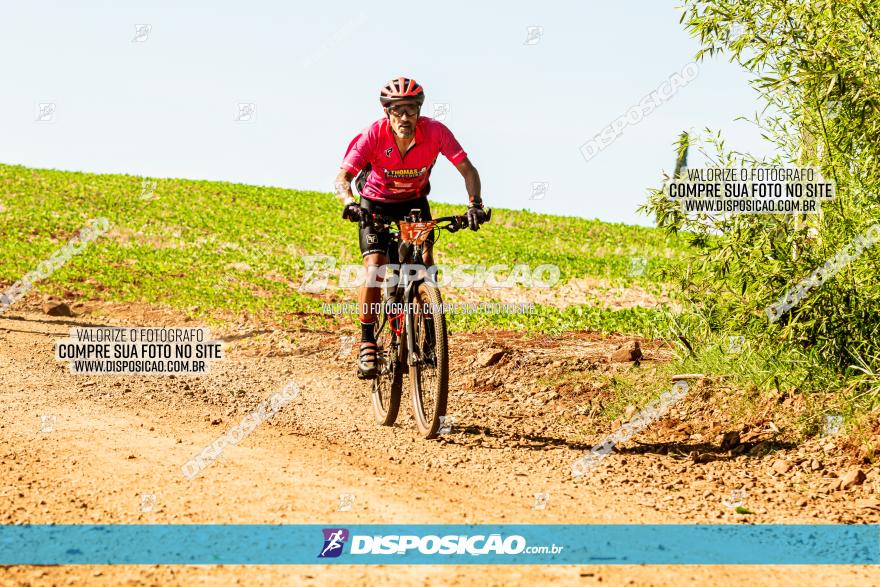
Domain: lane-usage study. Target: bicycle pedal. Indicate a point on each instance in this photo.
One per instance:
(362, 376)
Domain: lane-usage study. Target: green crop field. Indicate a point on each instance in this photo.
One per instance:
(203, 246)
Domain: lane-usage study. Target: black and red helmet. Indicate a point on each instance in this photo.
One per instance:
(402, 89)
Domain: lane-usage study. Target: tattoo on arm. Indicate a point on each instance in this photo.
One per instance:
(343, 187)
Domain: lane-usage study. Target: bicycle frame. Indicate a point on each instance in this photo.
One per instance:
(410, 239)
(408, 295)
(425, 351)
(405, 285)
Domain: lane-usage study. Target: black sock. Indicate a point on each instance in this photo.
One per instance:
(368, 332)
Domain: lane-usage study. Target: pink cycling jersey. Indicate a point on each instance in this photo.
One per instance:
(395, 177)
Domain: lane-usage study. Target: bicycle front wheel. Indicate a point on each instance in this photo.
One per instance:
(388, 384)
(429, 371)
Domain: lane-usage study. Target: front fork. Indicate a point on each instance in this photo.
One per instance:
(410, 323)
(416, 355)
(410, 286)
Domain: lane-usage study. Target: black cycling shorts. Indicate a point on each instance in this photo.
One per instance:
(373, 241)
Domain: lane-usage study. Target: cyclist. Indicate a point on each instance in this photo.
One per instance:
(392, 159)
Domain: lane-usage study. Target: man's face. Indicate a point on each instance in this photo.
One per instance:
(403, 117)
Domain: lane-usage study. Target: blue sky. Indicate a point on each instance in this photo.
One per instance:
(165, 105)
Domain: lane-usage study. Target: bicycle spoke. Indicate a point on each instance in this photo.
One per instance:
(389, 379)
(430, 366)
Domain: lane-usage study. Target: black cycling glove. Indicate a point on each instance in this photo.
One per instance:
(352, 212)
(475, 216)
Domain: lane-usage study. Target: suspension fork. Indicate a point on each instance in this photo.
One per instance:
(408, 295)
(409, 289)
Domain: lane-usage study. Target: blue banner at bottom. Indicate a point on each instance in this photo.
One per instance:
(412, 544)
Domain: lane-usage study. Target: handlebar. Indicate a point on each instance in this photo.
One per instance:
(454, 223)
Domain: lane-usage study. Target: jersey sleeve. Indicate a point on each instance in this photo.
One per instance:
(359, 150)
(449, 146)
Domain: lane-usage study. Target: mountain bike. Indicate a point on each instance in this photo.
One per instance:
(411, 329)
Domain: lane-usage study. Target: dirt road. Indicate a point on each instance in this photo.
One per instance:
(109, 449)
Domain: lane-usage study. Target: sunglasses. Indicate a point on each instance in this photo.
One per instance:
(400, 110)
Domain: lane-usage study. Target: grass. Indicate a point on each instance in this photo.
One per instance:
(205, 246)
(613, 392)
(772, 372)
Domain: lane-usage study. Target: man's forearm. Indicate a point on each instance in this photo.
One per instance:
(471, 181)
(343, 187)
(472, 185)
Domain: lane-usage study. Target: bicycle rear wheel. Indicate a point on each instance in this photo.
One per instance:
(429, 373)
(388, 384)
